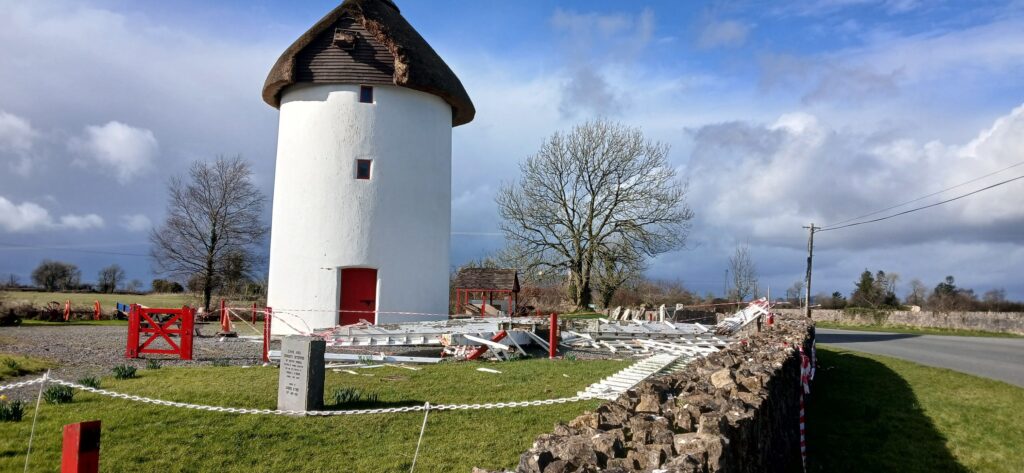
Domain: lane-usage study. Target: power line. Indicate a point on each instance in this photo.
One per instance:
(15, 246)
(924, 196)
(925, 207)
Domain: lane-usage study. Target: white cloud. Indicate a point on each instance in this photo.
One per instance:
(885, 64)
(800, 170)
(593, 43)
(29, 216)
(22, 217)
(17, 137)
(126, 150)
(827, 7)
(724, 33)
(80, 222)
(136, 223)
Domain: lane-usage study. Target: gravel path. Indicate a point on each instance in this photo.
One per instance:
(90, 350)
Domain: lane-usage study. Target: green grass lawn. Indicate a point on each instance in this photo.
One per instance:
(16, 365)
(107, 301)
(875, 413)
(143, 437)
(916, 330)
(45, 323)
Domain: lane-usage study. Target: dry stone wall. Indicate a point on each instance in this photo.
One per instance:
(1010, 322)
(736, 410)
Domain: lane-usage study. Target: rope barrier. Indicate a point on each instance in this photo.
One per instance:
(22, 384)
(42, 382)
(426, 412)
(242, 410)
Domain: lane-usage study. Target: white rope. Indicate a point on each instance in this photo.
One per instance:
(389, 410)
(22, 384)
(426, 412)
(240, 318)
(35, 415)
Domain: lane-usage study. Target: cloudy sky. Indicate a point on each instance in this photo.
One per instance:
(777, 116)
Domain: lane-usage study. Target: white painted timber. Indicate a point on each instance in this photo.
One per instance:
(324, 219)
(618, 383)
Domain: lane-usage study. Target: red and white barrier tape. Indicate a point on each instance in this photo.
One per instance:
(806, 375)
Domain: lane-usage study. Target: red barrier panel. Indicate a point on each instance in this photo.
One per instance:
(181, 323)
(81, 451)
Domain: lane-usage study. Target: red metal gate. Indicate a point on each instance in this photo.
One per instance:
(180, 322)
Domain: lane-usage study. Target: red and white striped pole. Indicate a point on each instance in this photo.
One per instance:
(805, 388)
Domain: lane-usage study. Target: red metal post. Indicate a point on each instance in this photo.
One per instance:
(254, 313)
(188, 317)
(266, 335)
(133, 332)
(553, 337)
(480, 350)
(67, 310)
(81, 451)
(97, 310)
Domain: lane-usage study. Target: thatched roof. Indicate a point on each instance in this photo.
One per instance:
(416, 65)
(487, 278)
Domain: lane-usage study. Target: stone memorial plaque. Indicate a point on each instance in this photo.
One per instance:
(300, 385)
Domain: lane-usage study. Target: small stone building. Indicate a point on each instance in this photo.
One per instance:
(486, 291)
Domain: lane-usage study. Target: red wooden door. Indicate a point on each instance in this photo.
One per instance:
(358, 295)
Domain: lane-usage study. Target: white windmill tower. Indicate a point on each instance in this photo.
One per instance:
(362, 191)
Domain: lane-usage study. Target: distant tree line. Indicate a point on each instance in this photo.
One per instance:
(878, 290)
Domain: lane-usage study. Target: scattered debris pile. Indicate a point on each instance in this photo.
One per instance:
(734, 410)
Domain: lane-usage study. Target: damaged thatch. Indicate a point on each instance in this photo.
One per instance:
(416, 65)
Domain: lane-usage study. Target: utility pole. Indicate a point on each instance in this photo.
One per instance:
(810, 259)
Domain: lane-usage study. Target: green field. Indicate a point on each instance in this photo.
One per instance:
(12, 366)
(875, 413)
(85, 300)
(144, 437)
(916, 330)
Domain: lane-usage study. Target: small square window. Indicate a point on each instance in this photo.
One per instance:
(363, 168)
(365, 94)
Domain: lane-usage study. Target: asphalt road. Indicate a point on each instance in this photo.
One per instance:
(996, 358)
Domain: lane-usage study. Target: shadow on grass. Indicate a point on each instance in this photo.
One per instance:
(331, 406)
(861, 337)
(862, 416)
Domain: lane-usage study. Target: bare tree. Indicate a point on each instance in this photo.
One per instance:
(211, 215)
(588, 193)
(615, 268)
(56, 275)
(134, 286)
(12, 281)
(744, 274)
(795, 294)
(918, 294)
(109, 278)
